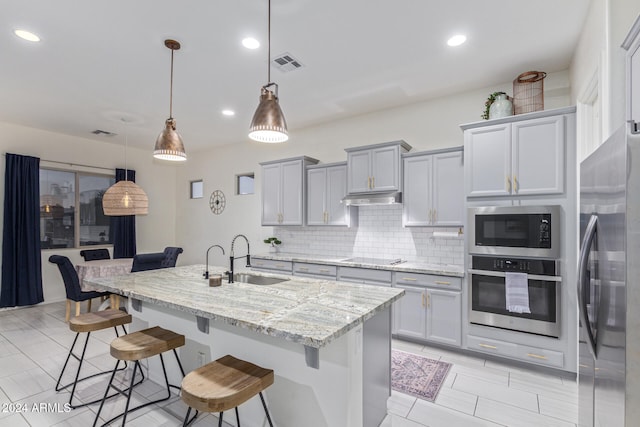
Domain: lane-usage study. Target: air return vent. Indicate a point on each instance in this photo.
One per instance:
(103, 132)
(286, 62)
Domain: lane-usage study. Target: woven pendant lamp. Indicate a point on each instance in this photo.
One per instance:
(125, 197)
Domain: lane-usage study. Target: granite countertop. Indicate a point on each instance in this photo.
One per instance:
(307, 311)
(408, 266)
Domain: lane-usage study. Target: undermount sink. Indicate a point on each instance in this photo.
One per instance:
(256, 280)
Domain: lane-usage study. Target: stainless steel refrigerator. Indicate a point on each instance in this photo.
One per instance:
(609, 284)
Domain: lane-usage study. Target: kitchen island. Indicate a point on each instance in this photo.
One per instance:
(328, 342)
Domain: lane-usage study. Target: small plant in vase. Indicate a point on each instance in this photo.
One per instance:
(273, 243)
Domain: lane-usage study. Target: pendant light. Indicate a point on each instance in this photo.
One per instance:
(125, 197)
(169, 144)
(268, 123)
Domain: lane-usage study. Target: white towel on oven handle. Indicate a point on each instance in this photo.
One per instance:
(516, 288)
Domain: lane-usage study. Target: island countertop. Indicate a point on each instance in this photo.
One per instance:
(311, 312)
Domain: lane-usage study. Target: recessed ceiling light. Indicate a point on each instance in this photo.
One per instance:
(27, 35)
(457, 40)
(250, 43)
(228, 113)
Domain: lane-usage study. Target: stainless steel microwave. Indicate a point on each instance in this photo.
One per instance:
(524, 231)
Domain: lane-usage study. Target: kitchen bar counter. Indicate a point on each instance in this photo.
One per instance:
(407, 267)
(306, 311)
(339, 376)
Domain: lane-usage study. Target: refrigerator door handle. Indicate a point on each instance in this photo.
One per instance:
(585, 249)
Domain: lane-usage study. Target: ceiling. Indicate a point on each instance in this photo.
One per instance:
(103, 64)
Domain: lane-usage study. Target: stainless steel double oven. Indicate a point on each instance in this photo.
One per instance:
(515, 239)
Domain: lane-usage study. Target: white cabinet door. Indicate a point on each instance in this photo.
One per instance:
(538, 156)
(359, 171)
(385, 168)
(271, 194)
(448, 189)
(292, 194)
(417, 190)
(336, 189)
(444, 317)
(316, 195)
(487, 156)
(409, 313)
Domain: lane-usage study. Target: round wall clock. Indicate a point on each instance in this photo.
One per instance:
(217, 202)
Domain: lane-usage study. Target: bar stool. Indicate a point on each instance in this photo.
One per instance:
(135, 347)
(224, 384)
(90, 322)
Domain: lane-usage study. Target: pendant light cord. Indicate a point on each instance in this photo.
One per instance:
(269, 44)
(171, 89)
(126, 146)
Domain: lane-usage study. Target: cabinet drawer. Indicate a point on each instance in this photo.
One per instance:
(540, 356)
(271, 264)
(486, 345)
(303, 268)
(364, 275)
(428, 280)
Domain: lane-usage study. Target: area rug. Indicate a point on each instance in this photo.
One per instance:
(416, 375)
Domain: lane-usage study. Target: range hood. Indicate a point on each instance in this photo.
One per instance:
(367, 199)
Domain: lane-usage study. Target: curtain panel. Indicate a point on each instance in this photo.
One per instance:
(21, 262)
(124, 227)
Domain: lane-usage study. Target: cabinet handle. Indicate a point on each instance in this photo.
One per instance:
(259, 263)
(442, 283)
(423, 303)
(369, 182)
(373, 182)
(508, 184)
(515, 184)
(492, 347)
(428, 301)
(409, 279)
(435, 216)
(279, 266)
(303, 268)
(430, 216)
(324, 270)
(537, 356)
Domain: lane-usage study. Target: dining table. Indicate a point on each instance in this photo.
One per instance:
(103, 268)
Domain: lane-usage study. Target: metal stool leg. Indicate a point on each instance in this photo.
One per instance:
(237, 416)
(266, 411)
(113, 374)
(220, 419)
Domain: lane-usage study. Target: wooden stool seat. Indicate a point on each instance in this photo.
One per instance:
(224, 384)
(145, 343)
(98, 320)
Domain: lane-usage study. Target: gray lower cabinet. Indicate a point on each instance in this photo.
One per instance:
(431, 309)
(316, 271)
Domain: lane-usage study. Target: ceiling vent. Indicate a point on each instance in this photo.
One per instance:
(103, 132)
(286, 62)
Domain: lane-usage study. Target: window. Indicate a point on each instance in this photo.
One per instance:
(244, 183)
(197, 189)
(71, 209)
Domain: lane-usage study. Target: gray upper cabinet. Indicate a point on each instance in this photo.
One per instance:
(517, 156)
(632, 46)
(326, 186)
(283, 184)
(433, 189)
(375, 168)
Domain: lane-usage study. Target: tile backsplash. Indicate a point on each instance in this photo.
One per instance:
(380, 234)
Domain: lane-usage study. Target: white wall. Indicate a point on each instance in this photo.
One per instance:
(425, 126)
(154, 231)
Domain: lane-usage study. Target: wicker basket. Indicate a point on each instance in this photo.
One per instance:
(528, 92)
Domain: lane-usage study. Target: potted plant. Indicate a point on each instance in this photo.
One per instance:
(273, 243)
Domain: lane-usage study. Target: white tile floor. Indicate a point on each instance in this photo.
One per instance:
(477, 392)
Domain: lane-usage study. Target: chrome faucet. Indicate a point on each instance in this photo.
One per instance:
(206, 273)
(232, 257)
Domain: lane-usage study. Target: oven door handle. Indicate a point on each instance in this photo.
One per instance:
(503, 274)
(583, 260)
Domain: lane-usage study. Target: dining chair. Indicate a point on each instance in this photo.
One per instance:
(95, 254)
(144, 262)
(170, 256)
(72, 285)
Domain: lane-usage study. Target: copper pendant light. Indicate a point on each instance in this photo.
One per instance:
(169, 145)
(125, 197)
(268, 123)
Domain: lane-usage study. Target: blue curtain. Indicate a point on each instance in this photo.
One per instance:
(21, 263)
(124, 227)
